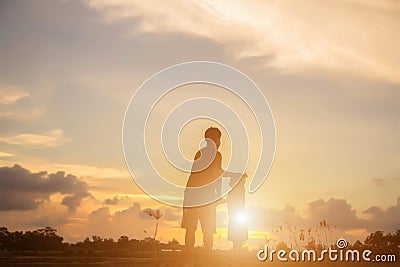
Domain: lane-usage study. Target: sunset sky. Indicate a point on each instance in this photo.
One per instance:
(330, 73)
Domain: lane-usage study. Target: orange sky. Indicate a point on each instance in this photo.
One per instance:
(329, 73)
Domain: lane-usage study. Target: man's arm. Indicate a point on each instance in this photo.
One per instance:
(234, 176)
(222, 172)
(231, 174)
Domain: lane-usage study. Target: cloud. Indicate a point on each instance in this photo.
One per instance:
(5, 154)
(337, 213)
(133, 222)
(105, 181)
(387, 220)
(10, 94)
(294, 36)
(92, 171)
(112, 201)
(49, 139)
(115, 200)
(21, 189)
(73, 201)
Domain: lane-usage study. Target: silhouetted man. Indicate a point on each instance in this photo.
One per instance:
(204, 184)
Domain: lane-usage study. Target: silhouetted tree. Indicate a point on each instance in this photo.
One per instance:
(173, 244)
(45, 239)
(156, 214)
(4, 238)
(358, 245)
(123, 242)
(40, 239)
(379, 242)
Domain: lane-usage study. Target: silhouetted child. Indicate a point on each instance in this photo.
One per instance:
(237, 227)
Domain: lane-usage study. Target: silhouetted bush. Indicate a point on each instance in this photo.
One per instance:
(45, 241)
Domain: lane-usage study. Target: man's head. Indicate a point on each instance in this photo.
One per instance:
(214, 134)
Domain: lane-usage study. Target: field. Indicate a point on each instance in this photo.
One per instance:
(158, 259)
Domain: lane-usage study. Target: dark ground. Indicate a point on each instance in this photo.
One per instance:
(170, 258)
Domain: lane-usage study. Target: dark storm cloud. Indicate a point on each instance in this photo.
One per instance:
(20, 189)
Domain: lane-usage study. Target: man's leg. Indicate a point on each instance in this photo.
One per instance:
(208, 222)
(189, 239)
(208, 240)
(189, 222)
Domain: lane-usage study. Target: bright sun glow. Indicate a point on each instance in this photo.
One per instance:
(241, 217)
